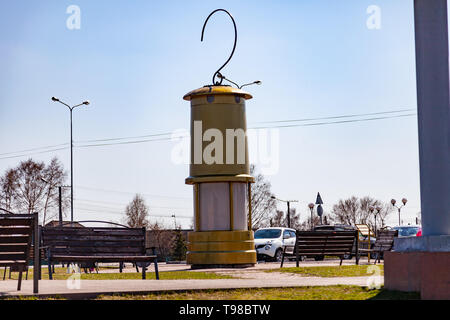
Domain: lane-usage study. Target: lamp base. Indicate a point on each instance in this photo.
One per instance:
(219, 249)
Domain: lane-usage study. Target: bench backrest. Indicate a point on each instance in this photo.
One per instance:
(16, 231)
(89, 241)
(312, 243)
(385, 240)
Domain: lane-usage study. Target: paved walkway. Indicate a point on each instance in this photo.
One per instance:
(254, 277)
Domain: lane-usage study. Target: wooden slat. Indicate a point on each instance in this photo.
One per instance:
(97, 243)
(48, 239)
(12, 263)
(20, 230)
(15, 222)
(325, 250)
(92, 231)
(318, 246)
(108, 258)
(325, 233)
(329, 240)
(20, 248)
(15, 216)
(14, 239)
(12, 256)
(93, 250)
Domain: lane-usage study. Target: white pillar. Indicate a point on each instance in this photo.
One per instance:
(432, 68)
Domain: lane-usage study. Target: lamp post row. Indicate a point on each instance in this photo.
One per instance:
(319, 208)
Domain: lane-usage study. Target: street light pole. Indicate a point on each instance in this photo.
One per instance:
(71, 168)
(311, 208)
(50, 186)
(393, 201)
(372, 210)
(288, 208)
(71, 149)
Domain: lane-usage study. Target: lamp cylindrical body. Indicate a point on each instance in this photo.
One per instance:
(220, 174)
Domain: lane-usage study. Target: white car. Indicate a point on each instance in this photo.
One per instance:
(269, 242)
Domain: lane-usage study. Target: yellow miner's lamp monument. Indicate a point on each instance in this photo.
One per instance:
(220, 175)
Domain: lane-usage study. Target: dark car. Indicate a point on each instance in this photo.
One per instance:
(407, 231)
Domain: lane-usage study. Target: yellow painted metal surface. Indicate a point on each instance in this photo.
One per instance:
(221, 247)
(218, 109)
(222, 258)
(216, 90)
(238, 178)
(237, 235)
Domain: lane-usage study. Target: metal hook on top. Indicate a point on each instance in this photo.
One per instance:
(217, 73)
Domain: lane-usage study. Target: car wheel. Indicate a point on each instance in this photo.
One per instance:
(278, 255)
(319, 258)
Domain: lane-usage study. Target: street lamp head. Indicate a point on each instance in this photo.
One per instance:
(258, 82)
(393, 201)
(55, 99)
(311, 205)
(404, 200)
(86, 102)
(272, 197)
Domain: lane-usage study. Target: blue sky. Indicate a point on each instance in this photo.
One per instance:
(134, 60)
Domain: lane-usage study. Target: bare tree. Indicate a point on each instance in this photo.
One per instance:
(30, 187)
(136, 213)
(353, 211)
(386, 209)
(295, 219)
(8, 189)
(278, 219)
(262, 203)
(54, 175)
(161, 238)
(307, 225)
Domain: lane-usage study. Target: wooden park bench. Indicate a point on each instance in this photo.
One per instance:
(17, 231)
(384, 242)
(324, 243)
(92, 245)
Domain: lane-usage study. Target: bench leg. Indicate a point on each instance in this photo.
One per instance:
(282, 258)
(143, 271)
(340, 264)
(19, 284)
(156, 268)
(26, 274)
(50, 276)
(4, 273)
(120, 267)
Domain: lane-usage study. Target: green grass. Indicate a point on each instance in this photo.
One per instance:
(299, 293)
(340, 292)
(334, 271)
(60, 274)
